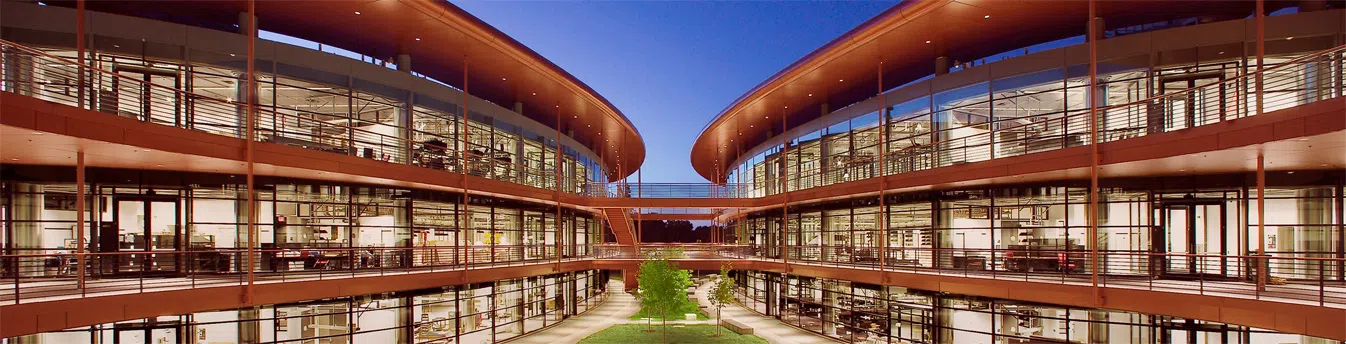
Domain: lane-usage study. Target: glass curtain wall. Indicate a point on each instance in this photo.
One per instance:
(1024, 114)
(863, 313)
(475, 313)
(1043, 229)
(199, 221)
(316, 110)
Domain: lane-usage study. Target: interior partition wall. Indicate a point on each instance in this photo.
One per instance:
(1197, 227)
(474, 313)
(198, 222)
(864, 313)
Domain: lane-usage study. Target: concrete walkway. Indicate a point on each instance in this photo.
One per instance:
(620, 306)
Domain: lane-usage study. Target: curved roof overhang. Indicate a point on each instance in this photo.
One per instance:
(846, 70)
(445, 43)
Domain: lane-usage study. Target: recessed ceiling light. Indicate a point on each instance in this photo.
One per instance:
(986, 16)
(840, 80)
(1290, 38)
(1291, 172)
(357, 13)
(14, 159)
(535, 93)
(231, 55)
(502, 79)
(116, 46)
(589, 125)
(810, 94)
(418, 39)
(927, 42)
(768, 117)
(577, 116)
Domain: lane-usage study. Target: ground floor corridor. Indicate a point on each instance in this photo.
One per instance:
(620, 306)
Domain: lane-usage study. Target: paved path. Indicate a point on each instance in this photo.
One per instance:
(620, 306)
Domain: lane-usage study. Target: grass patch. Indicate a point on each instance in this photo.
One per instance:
(634, 333)
(688, 306)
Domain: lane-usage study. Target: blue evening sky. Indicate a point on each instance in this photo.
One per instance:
(672, 66)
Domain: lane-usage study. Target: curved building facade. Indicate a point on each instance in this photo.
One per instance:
(1153, 153)
(401, 172)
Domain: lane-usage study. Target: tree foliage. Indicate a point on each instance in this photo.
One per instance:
(722, 294)
(662, 285)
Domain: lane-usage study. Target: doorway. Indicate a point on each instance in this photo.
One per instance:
(149, 231)
(152, 332)
(1191, 240)
(1195, 108)
(150, 104)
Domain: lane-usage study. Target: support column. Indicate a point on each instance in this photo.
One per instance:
(404, 63)
(942, 65)
(1093, 28)
(251, 27)
(249, 326)
(80, 228)
(80, 37)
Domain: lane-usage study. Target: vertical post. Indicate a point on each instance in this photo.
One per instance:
(79, 211)
(640, 218)
(462, 172)
(1260, 22)
(785, 189)
(560, 234)
(883, 166)
(1261, 265)
(249, 132)
(79, 50)
(1093, 150)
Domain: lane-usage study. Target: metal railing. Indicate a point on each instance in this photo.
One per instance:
(673, 251)
(1311, 78)
(50, 274)
(1314, 278)
(41, 75)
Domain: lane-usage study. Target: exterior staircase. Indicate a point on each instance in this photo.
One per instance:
(622, 226)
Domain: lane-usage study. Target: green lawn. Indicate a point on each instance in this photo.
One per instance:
(635, 333)
(688, 306)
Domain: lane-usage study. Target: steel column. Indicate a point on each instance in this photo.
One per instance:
(79, 214)
(1093, 150)
(249, 132)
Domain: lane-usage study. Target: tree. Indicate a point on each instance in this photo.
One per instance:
(722, 294)
(662, 285)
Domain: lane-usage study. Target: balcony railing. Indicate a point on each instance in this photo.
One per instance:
(1312, 278)
(38, 74)
(51, 274)
(1311, 78)
(673, 251)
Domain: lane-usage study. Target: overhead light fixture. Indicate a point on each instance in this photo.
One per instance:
(502, 79)
(927, 42)
(986, 16)
(231, 55)
(14, 159)
(840, 80)
(1290, 38)
(357, 13)
(535, 93)
(810, 94)
(418, 39)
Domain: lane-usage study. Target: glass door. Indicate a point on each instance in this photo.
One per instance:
(1192, 240)
(149, 232)
(1197, 107)
(149, 103)
(147, 333)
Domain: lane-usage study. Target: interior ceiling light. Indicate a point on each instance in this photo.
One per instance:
(502, 79)
(810, 94)
(535, 93)
(418, 39)
(986, 16)
(357, 13)
(927, 42)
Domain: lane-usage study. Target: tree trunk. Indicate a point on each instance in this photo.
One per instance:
(719, 322)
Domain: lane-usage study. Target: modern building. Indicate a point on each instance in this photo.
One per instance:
(1167, 150)
(401, 172)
